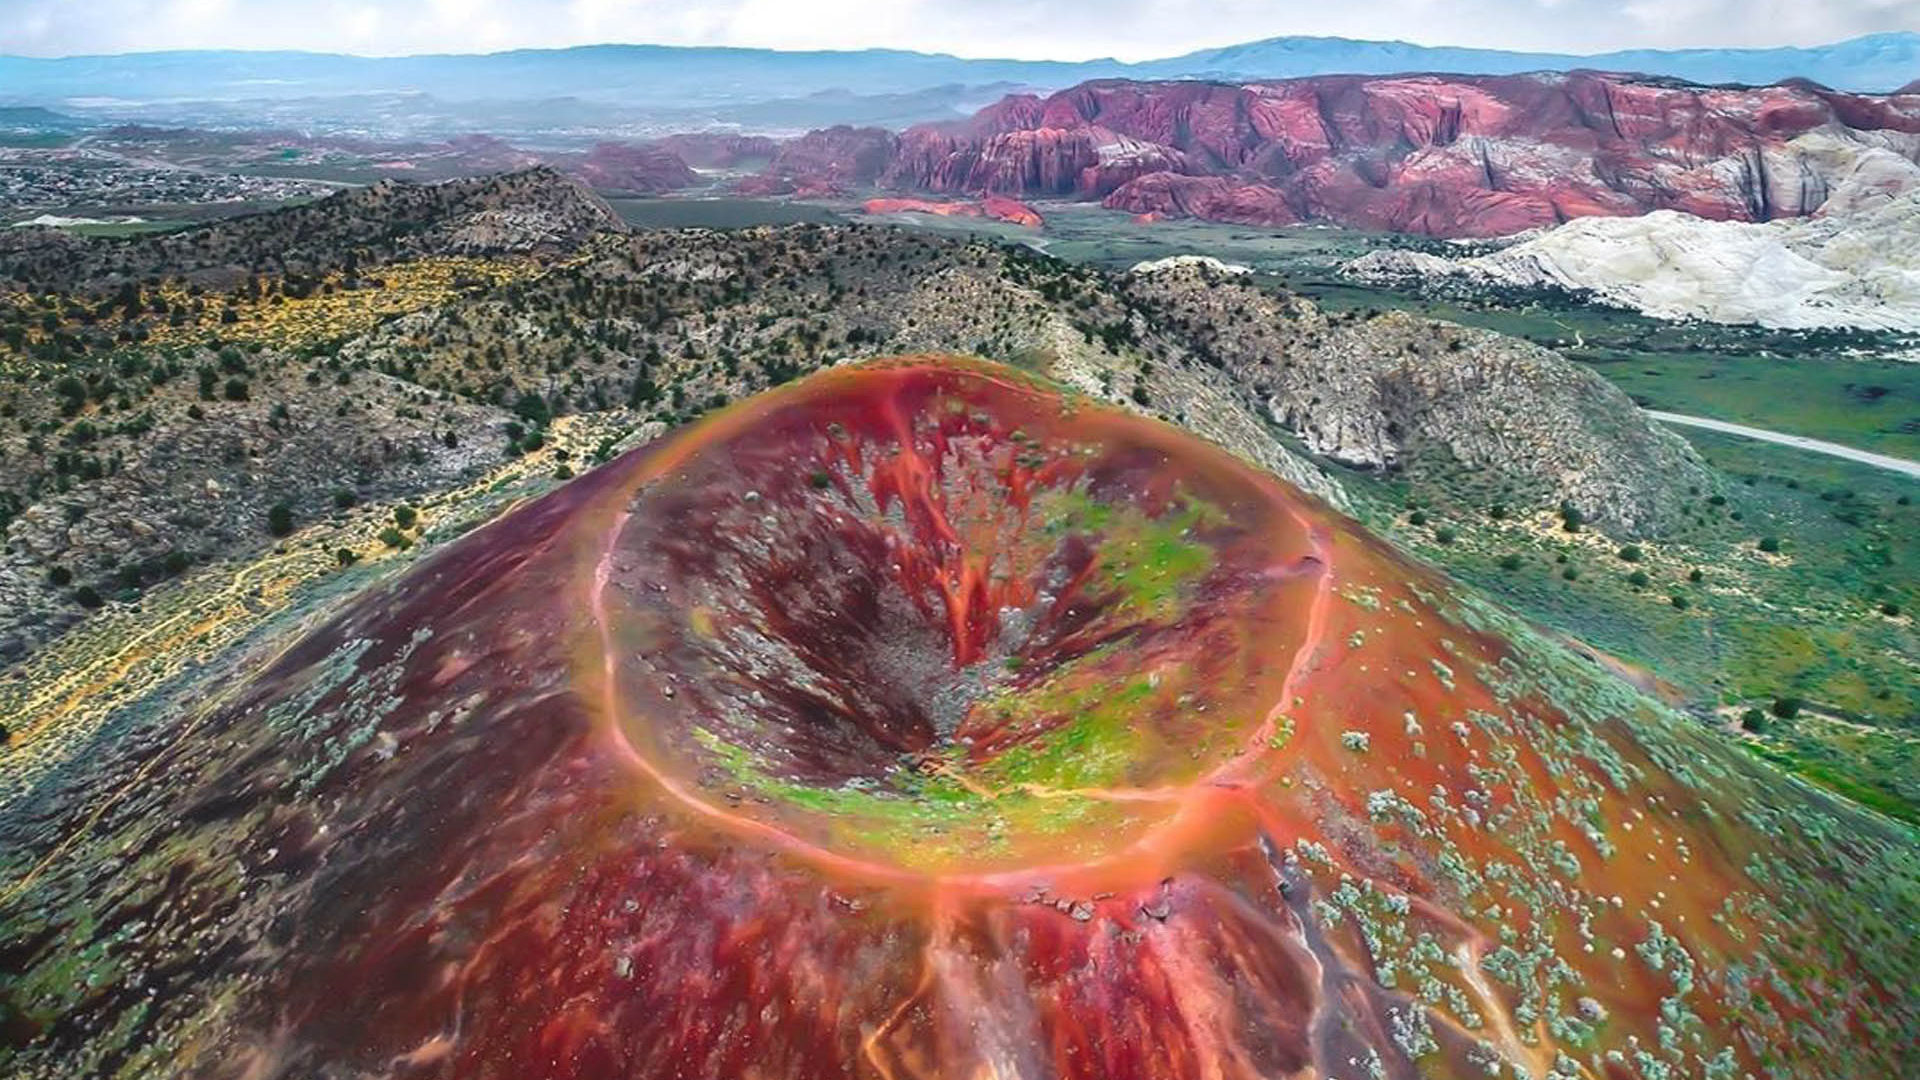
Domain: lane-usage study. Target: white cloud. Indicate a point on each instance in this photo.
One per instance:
(1130, 29)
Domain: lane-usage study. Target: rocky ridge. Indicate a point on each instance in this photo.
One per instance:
(144, 457)
(1388, 391)
(534, 211)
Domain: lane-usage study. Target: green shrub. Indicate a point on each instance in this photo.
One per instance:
(1679, 602)
(346, 557)
(344, 498)
(60, 576)
(405, 516)
(1769, 544)
(395, 539)
(1786, 708)
(1638, 579)
(280, 519)
(1630, 553)
(1509, 562)
(1754, 720)
(87, 597)
(1445, 535)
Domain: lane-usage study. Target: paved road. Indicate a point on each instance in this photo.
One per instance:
(1882, 461)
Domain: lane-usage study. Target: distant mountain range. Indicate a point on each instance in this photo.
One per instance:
(628, 87)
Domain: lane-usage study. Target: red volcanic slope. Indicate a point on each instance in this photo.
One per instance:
(916, 721)
(997, 207)
(1442, 155)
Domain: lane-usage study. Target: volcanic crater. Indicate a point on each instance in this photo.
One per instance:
(935, 618)
(918, 719)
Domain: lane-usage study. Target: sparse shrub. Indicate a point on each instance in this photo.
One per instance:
(563, 471)
(395, 539)
(1509, 562)
(1679, 602)
(346, 557)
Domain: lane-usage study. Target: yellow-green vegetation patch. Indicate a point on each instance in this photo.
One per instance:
(1091, 748)
(1146, 560)
(924, 819)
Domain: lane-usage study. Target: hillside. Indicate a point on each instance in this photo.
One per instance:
(164, 434)
(1444, 156)
(659, 312)
(533, 212)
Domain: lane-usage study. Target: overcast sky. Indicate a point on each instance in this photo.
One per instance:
(1027, 29)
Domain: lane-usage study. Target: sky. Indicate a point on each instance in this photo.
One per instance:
(1021, 29)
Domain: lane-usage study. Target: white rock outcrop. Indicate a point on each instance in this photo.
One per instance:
(1854, 264)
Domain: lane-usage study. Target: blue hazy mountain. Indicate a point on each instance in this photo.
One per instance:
(624, 86)
(1875, 63)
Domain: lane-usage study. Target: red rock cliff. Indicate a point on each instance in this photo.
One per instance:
(1440, 155)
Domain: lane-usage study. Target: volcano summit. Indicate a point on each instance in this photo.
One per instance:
(918, 720)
